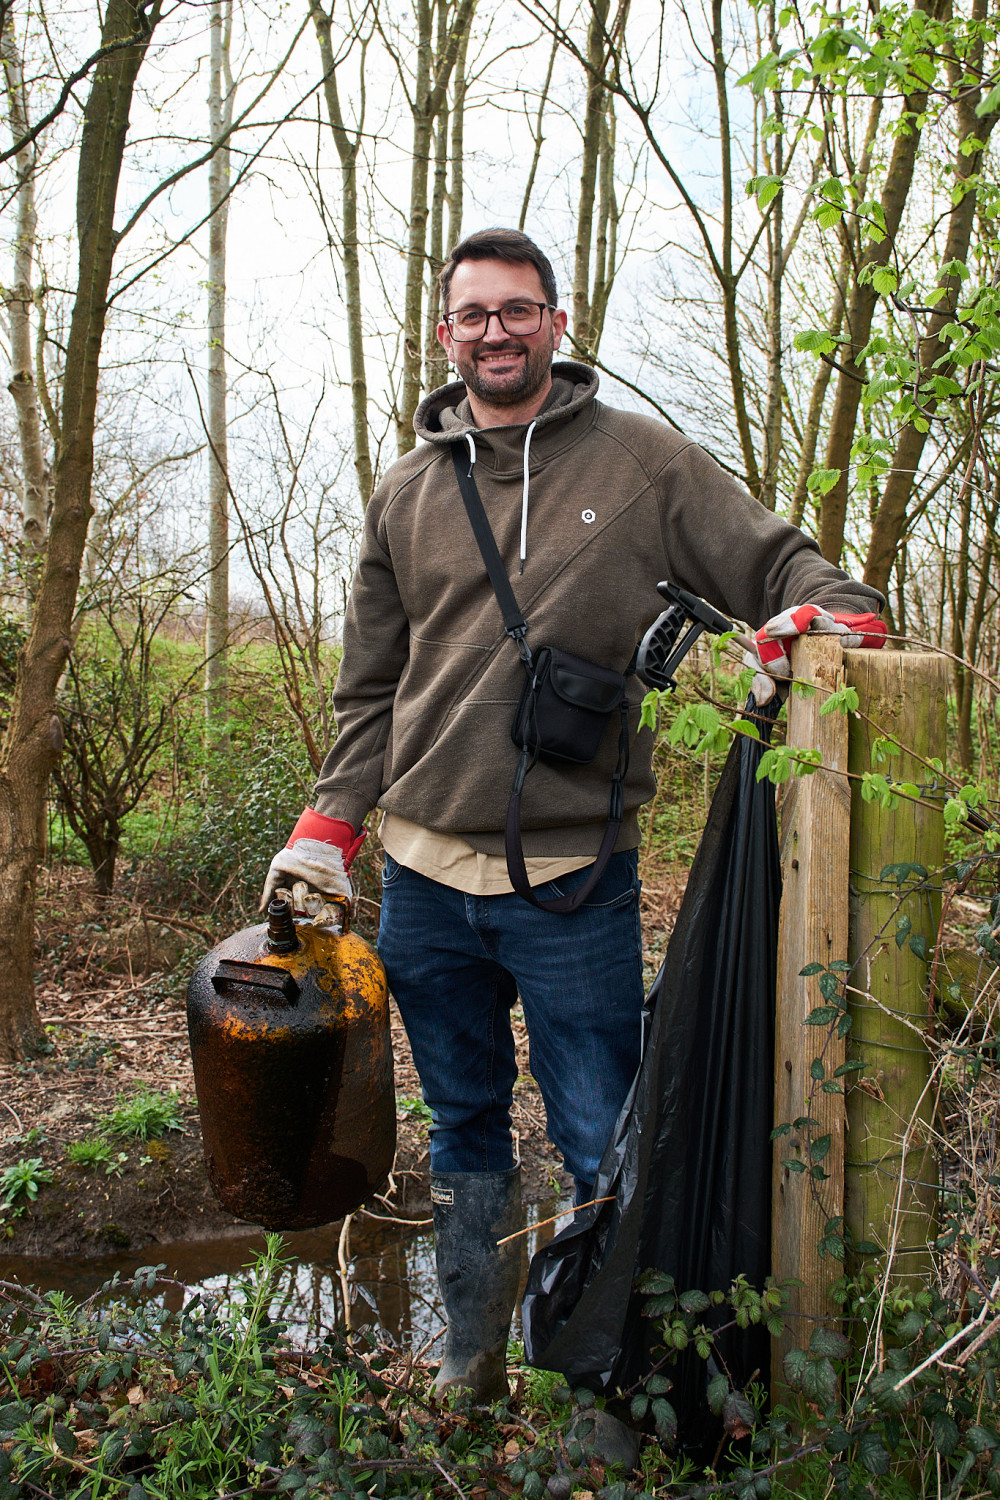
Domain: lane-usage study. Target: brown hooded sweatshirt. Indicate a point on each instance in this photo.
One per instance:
(429, 682)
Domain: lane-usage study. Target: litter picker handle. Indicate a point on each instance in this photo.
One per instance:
(669, 639)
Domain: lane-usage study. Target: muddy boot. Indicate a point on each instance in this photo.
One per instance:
(472, 1210)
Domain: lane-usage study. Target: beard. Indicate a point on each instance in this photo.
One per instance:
(512, 387)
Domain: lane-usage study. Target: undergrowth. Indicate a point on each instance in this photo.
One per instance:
(120, 1396)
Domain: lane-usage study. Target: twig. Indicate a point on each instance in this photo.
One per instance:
(17, 1121)
(156, 916)
(392, 1219)
(542, 1222)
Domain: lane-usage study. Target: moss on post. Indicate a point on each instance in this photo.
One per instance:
(890, 1186)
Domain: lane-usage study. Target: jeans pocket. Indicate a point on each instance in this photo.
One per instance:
(390, 869)
(617, 888)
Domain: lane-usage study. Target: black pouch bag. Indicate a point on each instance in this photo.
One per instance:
(565, 706)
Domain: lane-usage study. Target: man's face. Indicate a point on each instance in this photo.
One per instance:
(501, 369)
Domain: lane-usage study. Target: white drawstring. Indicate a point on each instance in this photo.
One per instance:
(524, 499)
(472, 449)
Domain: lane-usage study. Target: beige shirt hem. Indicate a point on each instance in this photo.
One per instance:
(448, 859)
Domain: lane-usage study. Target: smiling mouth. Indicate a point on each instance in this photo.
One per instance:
(501, 356)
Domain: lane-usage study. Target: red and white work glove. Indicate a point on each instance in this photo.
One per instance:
(319, 853)
(769, 659)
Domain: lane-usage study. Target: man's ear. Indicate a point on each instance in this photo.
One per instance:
(559, 322)
(444, 339)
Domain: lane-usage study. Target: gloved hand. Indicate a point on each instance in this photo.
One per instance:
(770, 661)
(319, 852)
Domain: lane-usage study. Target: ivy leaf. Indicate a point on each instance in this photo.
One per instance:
(918, 945)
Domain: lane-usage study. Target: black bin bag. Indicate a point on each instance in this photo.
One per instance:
(688, 1167)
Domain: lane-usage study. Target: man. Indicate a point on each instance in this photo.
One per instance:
(591, 507)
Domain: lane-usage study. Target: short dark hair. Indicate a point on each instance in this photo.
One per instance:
(499, 244)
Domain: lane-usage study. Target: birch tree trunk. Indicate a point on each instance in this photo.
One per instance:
(33, 738)
(18, 299)
(220, 109)
(348, 145)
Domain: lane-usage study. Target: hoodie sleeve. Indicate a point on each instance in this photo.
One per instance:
(375, 652)
(729, 549)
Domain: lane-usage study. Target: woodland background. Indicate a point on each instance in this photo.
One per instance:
(774, 227)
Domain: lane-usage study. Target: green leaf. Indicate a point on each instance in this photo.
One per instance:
(693, 1302)
(814, 341)
(944, 1430)
(810, 970)
(659, 1385)
(820, 1148)
(718, 1390)
(918, 945)
(822, 1015)
(665, 1419)
(816, 1069)
(639, 1407)
(873, 1453)
(829, 1342)
(884, 280)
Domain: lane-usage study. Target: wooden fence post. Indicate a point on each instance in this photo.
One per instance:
(890, 1169)
(815, 831)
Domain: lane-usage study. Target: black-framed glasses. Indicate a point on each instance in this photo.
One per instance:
(517, 318)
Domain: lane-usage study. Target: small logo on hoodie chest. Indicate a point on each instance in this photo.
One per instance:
(588, 517)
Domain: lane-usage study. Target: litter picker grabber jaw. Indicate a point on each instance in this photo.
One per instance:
(664, 646)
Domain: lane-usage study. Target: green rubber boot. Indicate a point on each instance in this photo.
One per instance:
(478, 1281)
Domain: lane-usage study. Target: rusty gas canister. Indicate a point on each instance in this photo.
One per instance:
(289, 1031)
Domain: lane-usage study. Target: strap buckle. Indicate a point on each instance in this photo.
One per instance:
(523, 649)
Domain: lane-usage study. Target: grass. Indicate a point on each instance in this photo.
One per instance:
(93, 1152)
(145, 1115)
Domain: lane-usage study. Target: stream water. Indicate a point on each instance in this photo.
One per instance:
(391, 1286)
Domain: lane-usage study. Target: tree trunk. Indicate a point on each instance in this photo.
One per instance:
(33, 738)
(456, 189)
(220, 105)
(593, 120)
(430, 89)
(536, 135)
(861, 311)
(17, 299)
(890, 519)
(728, 281)
(810, 435)
(435, 359)
(347, 150)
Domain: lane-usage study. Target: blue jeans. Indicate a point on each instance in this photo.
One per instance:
(456, 965)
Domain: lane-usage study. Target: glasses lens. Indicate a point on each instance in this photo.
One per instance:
(516, 318)
(521, 317)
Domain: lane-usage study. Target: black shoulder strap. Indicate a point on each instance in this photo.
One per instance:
(516, 627)
(513, 621)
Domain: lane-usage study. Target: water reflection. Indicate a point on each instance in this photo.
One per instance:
(391, 1284)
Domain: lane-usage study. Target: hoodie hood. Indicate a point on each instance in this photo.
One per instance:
(445, 417)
